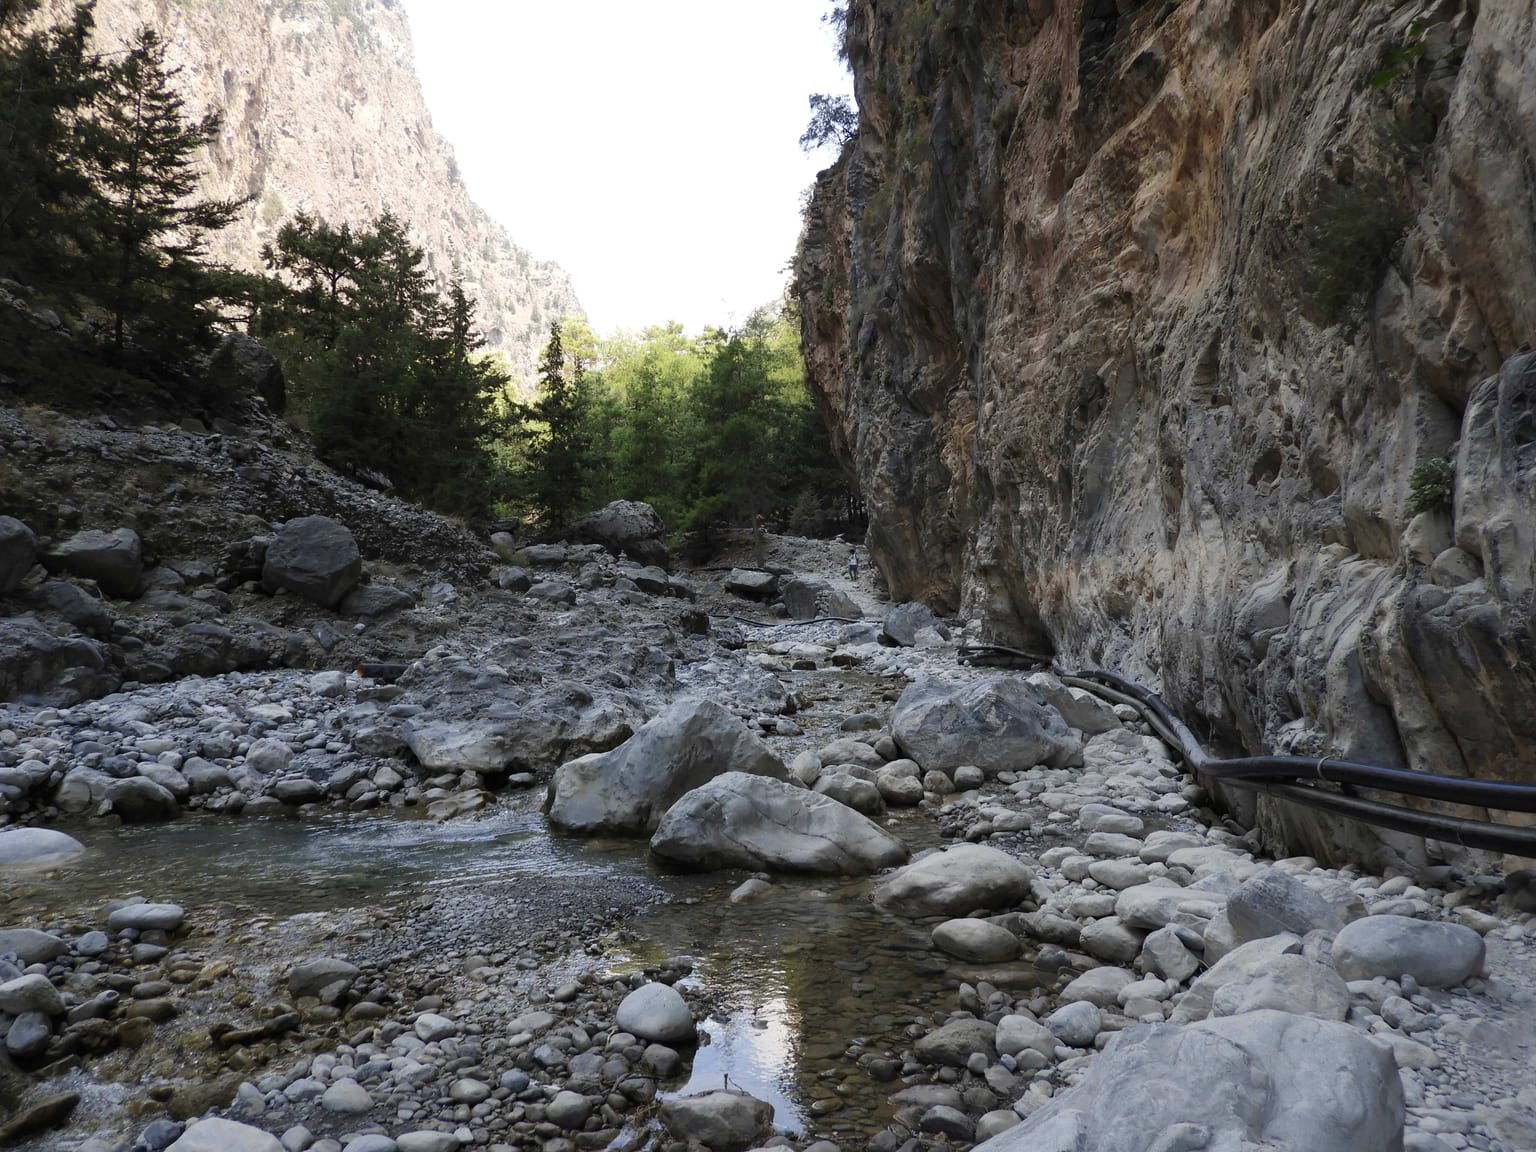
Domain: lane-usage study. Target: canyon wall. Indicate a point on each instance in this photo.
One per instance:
(1141, 324)
(323, 112)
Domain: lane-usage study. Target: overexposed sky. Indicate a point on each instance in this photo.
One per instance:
(649, 147)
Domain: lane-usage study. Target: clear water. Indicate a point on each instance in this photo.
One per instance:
(800, 974)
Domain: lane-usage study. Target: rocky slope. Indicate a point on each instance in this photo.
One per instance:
(1138, 322)
(323, 112)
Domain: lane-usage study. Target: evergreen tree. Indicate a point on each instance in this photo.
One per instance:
(140, 151)
(559, 455)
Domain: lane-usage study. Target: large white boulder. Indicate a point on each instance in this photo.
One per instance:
(656, 1012)
(1436, 954)
(218, 1135)
(998, 724)
(629, 789)
(37, 848)
(1274, 1080)
(762, 824)
(955, 881)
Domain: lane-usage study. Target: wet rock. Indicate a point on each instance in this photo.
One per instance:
(115, 560)
(976, 941)
(629, 789)
(956, 1042)
(1287, 1082)
(36, 848)
(1273, 902)
(218, 1135)
(31, 945)
(765, 824)
(1436, 954)
(460, 804)
(139, 800)
(29, 1035)
(34, 993)
(997, 724)
(568, 1109)
(49, 1112)
(145, 917)
(723, 1121)
(313, 557)
(656, 1012)
(325, 978)
(18, 552)
(955, 881)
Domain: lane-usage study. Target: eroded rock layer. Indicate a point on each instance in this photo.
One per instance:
(1141, 325)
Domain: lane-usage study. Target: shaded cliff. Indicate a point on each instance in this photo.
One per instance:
(323, 111)
(1142, 323)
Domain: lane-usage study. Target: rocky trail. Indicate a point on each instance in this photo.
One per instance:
(604, 855)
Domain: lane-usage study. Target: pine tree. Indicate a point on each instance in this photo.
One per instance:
(559, 454)
(148, 236)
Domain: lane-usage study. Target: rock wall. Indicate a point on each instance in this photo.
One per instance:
(1138, 323)
(323, 111)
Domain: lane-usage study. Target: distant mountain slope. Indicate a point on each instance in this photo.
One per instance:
(323, 111)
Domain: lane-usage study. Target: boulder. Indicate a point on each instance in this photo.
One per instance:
(629, 789)
(954, 882)
(1016, 1033)
(752, 584)
(1286, 983)
(1273, 902)
(1241, 963)
(998, 724)
(1081, 709)
(658, 1013)
(955, 1043)
(808, 598)
(115, 560)
(1287, 1083)
(625, 526)
(242, 367)
(313, 557)
(37, 848)
(18, 552)
(218, 1135)
(31, 946)
(139, 800)
(146, 917)
(325, 978)
(1076, 1024)
(76, 605)
(1098, 986)
(34, 993)
(904, 621)
(722, 1121)
(370, 601)
(976, 941)
(859, 794)
(1436, 954)
(761, 823)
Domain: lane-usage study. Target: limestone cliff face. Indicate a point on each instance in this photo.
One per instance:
(323, 111)
(1137, 320)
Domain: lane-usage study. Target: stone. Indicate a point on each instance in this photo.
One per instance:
(41, 668)
(629, 789)
(322, 975)
(115, 560)
(313, 557)
(1076, 1024)
(722, 1121)
(18, 552)
(1436, 954)
(1098, 986)
(656, 1012)
(1164, 953)
(218, 1135)
(997, 724)
(630, 526)
(28, 1035)
(1103, 818)
(432, 1027)
(808, 598)
(976, 941)
(23, 848)
(1079, 708)
(147, 917)
(241, 367)
(85, 611)
(1016, 1033)
(1155, 904)
(849, 751)
(347, 1097)
(1111, 939)
(268, 756)
(1287, 983)
(1244, 961)
(752, 584)
(861, 795)
(955, 881)
(49, 1112)
(139, 800)
(374, 600)
(34, 993)
(1286, 1082)
(426, 1140)
(761, 823)
(904, 621)
(31, 945)
(1273, 902)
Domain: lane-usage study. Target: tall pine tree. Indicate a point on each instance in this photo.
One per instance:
(558, 457)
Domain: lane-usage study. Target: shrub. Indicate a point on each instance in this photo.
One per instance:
(1431, 486)
(1346, 239)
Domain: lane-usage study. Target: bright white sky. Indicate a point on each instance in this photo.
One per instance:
(649, 147)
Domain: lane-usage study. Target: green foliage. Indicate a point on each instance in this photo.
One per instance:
(834, 120)
(382, 369)
(1432, 486)
(1399, 59)
(559, 453)
(1347, 238)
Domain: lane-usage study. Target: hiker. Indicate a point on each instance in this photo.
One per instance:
(853, 565)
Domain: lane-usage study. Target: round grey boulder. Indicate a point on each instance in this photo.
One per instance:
(218, 1135)
(37, 848)
(146, 917)
(723, 1121)
(1436, 954)
(313, 557)
(955, 881)
(997, 724)
(976, 941)
(139, 800)
(18, 552)
(1274, 902)
(115, 560)
(656, 1012)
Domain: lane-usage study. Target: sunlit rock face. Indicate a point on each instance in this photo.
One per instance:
(323, 111)
(1138, 322)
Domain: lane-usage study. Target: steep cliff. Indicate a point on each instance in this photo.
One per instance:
(1140, 323)
(323, 111)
